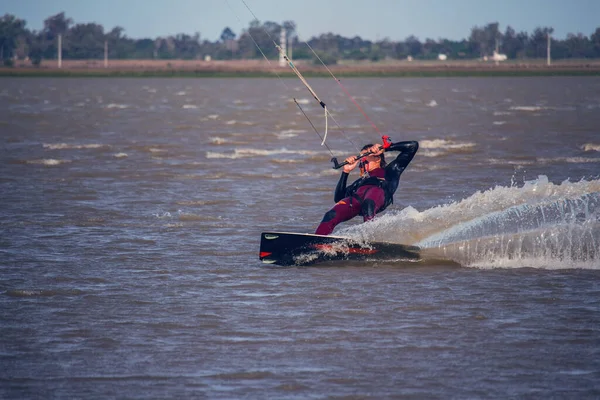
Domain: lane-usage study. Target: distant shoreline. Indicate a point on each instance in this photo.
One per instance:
(256, 68)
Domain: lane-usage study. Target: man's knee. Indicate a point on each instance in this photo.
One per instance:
(329, 215)
(368, 209)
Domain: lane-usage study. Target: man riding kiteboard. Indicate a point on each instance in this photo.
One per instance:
(373, 192)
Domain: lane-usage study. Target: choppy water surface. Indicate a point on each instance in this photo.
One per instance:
(130, 218)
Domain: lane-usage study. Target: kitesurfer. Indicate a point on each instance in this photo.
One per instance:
(374, 190)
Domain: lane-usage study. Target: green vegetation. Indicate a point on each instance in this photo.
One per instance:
(89, 41)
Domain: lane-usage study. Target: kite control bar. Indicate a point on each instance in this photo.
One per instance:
(386, 144)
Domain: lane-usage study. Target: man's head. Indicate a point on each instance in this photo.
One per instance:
(373, 159)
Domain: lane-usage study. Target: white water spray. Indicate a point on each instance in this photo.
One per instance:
(539, 224)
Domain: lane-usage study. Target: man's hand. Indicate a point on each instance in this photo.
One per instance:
(376, 150)
(352, 163)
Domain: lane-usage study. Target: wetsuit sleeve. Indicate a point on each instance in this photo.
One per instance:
(394, 169)
(340, 189)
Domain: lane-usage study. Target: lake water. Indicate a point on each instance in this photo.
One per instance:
(131, 213)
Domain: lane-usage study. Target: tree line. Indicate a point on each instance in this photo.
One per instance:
(88, 41)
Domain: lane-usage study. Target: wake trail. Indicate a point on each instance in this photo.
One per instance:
(539, 225)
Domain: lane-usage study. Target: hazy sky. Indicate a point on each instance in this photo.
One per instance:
(369, 19)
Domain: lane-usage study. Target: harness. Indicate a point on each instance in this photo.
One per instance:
(369, 181)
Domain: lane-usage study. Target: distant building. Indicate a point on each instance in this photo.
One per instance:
(499, 57)
(442, 57)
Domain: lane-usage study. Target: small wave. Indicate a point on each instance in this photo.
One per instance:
(150, 149)
(48, 161)
(548, 263)
(286, 161)
(501, 161)
(220, 141)
(200, 202)
(499, 113)
(42, 293)
(441, 147)
(120, 155)
(432, 103)
(591, 147)
(211, 154)
(235, 122)
(499, 122)
(444, 144)
(245, 375)
(181, 93)
(189, 107)
(295, 175)
(433, 154)
(191, 176)
(354, 126)
(196, 217)
(542, 108)
(185, 127)
(245, 153)
(569, 160)
(302, 101)
(115, 105)
(63, 146)
(289, 133)
(24, 293)
(528, 108)
(163, 215)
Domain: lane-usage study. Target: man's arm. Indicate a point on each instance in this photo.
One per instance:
(340, 189)
(394, 169)
(408, 146)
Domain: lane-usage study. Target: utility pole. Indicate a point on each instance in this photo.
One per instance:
(548, 51)
(59, 50)
(282, 41)
(496, 52)
(106, 54)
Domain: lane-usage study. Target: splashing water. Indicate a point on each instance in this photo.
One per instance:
(540, 225)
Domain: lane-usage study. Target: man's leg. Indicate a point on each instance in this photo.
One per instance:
(374, 199)
(343, 210)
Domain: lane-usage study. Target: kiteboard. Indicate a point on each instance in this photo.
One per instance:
(300, 249)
